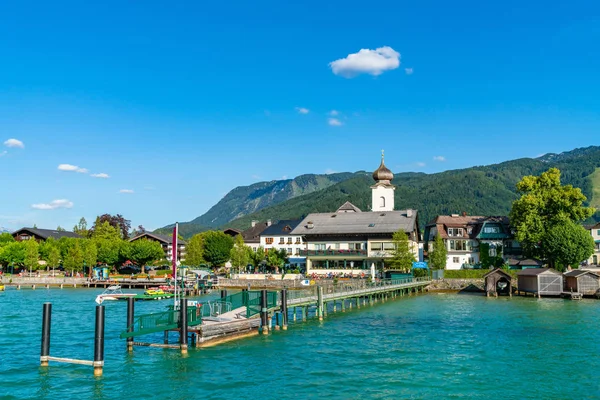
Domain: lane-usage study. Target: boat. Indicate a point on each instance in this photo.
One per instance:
(112, 293)
(1, 287)
(154, 294)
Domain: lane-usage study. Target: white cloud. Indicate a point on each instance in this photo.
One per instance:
(100, 175)
(128, 191)
(439, 158)
(409, 71)
(3, 153)
(334, 113)
(420, 164)
(72, 168)
(14, 143)
(329, 171)
(255, 177)
(53, 205)
(302, 110)
(367, 61)
(284, 177)
(334, 122)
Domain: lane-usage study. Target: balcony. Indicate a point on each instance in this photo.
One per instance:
(333, 253)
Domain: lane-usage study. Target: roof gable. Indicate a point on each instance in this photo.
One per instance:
(47, 233)
(166, 239)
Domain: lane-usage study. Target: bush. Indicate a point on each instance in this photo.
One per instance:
(472, 273)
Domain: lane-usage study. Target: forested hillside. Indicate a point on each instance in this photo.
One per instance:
(485, 190)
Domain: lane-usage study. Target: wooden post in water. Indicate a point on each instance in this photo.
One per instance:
(284, 309)
(46, 321)
(99, 342)
(183, 329)
(264, 314)
(130, 315)
(223, 293)
(320, 302)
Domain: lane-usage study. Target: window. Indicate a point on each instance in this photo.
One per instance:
(289, 250)
(376, 246)
(491, 229)
(382, 201)
(455, 260)
(598, 232)
(268, 241)
(297, 240)
(281, 240)
(389, 246)
(320, 246)
(455, 231)
(460, 245)
(289, 240)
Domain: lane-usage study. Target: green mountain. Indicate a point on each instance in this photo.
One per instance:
(244, 200)
(482, 190)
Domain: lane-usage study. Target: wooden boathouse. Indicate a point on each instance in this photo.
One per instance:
(498, 282)
(540, 282)
(587, 283)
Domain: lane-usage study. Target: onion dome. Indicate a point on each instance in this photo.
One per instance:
(383, 174)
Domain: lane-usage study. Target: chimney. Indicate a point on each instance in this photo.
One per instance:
(309, 225)
(254, 223)
(409, 213)
(268, 222)
(454, 215)
(464, 213)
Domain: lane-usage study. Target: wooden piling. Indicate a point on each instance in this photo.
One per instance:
(130, 316)
(99, 342)
(320, 302)
(264, 315)
(284, 309)
(183, 328)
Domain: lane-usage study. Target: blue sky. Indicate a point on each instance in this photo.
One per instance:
(178, 103)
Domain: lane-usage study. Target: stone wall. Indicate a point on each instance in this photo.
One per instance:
(467, 285)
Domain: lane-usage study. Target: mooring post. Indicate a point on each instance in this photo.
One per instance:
(183, 337)
(130, 314)
(99, 342)
(46, 321)
(223, 293)
(320, 310)
(284, 309)
(264, 314)
(278, 320)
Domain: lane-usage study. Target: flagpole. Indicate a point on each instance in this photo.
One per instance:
(174, 258)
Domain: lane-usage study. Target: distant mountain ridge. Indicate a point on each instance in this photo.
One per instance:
(483, 190)
(244, 200)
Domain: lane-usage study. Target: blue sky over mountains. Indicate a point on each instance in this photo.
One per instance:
(156, 110)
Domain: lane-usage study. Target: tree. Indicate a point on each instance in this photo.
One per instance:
(567, 244)
(256, 257)
(116, 221)
(217, 247)
(239, 253)
(74, 258)
(81, 228)
(60, 228)
(143, 251)
(13, 253)
(544, 204)
(194, 251)
(90, 253)
(32, 255)
(6, 238)
(276, 258)
(402, 255)
(53, 257)
(109, 251)
(104, 230)
(439, 254)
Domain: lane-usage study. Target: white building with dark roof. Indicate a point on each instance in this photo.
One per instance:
(351, 241)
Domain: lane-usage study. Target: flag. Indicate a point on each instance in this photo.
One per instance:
(174, 251)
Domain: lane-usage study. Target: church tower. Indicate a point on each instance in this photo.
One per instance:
(383, 190)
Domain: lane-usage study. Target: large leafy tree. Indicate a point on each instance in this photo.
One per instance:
(81, 228)
(567, 244)
(53, 259)
(276, 258)
(143, 251)
(438, 255)
(545, 204)
(32, 255)
(239, 253)
(74, 257)
(258, 256)
(402, 256)
(6, 238)
(217, 247)
(13, 253)
(90, 253)
(104, 230)
(117, 221)
(194, 251)
(109, 251)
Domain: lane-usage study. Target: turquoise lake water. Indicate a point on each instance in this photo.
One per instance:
(427, 346)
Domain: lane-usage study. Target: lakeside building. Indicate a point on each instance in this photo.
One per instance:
(166, 242)
(251, 235)
(595, 232)
(42, 234)
(279, 236)
(352, 241)
(469, 239)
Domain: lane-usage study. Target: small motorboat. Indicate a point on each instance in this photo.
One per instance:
(1, 287)
(155, 294)
(112, 293)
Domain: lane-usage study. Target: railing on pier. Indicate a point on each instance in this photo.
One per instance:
(162, 321)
